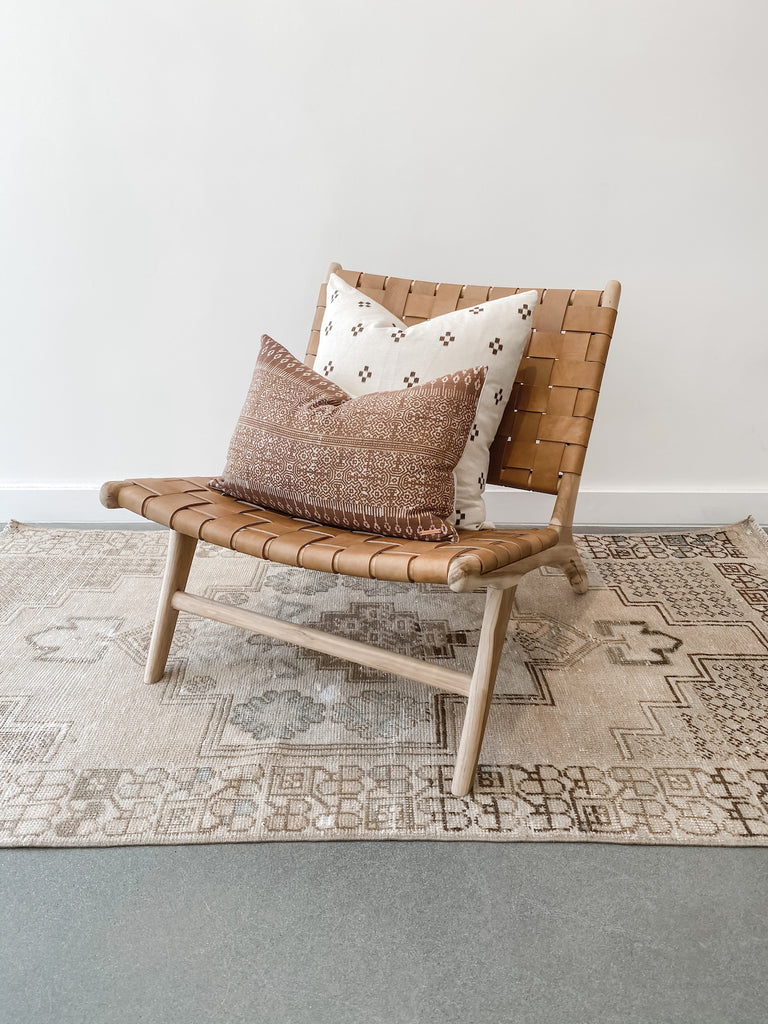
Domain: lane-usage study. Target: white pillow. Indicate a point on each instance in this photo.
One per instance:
(364, 348)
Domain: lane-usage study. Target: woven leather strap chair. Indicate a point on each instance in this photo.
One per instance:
(540, 446)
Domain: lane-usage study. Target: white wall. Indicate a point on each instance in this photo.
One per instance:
(175, 177)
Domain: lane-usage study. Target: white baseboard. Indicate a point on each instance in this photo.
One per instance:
(633, 508)
(80, 504)
(56, 504)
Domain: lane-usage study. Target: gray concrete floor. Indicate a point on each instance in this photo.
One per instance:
(384, 932)
(403, 933)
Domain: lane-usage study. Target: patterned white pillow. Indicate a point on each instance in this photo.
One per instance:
(363, 348)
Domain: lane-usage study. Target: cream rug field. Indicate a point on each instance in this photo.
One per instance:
(636, 713)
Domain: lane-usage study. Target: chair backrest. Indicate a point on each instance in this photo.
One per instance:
(545, 430)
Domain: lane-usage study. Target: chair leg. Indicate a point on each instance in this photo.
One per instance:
(573, 567)
(181, 551)
(498, 606)
(564, 555)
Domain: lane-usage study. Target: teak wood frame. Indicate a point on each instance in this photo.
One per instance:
(500, 584)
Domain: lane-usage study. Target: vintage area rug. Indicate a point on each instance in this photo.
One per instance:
(637, 713)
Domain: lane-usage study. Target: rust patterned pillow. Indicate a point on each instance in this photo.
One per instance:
(381, 462)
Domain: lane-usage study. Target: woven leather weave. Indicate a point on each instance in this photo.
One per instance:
(547, 423)
(190, 507)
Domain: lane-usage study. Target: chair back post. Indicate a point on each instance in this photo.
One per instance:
(565, 506)
(568, 488)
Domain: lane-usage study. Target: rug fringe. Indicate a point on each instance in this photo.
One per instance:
(752, 525)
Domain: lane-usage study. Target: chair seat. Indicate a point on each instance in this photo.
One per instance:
(189, 506)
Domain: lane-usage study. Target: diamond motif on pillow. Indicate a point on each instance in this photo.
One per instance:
(334, 296)
(525, 311)
(447, 338)
(481, 481)
(498, 395)
(411, 379)
(328, 328)
(495, 346)
(397, 335)
(476, 310)
(473, 432)
(364, 304)
(365, 374)
(357, 329)
(328, 368)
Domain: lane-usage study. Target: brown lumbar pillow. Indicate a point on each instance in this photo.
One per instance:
(381, 462)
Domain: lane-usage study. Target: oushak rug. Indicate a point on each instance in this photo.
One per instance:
(637, 713)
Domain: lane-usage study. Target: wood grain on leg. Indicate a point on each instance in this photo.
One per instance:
(327, 643)
(573, 567)
(181, 551)
(498, 606)
(564, 555)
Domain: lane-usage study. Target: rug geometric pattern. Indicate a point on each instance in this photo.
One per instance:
(636, 713)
